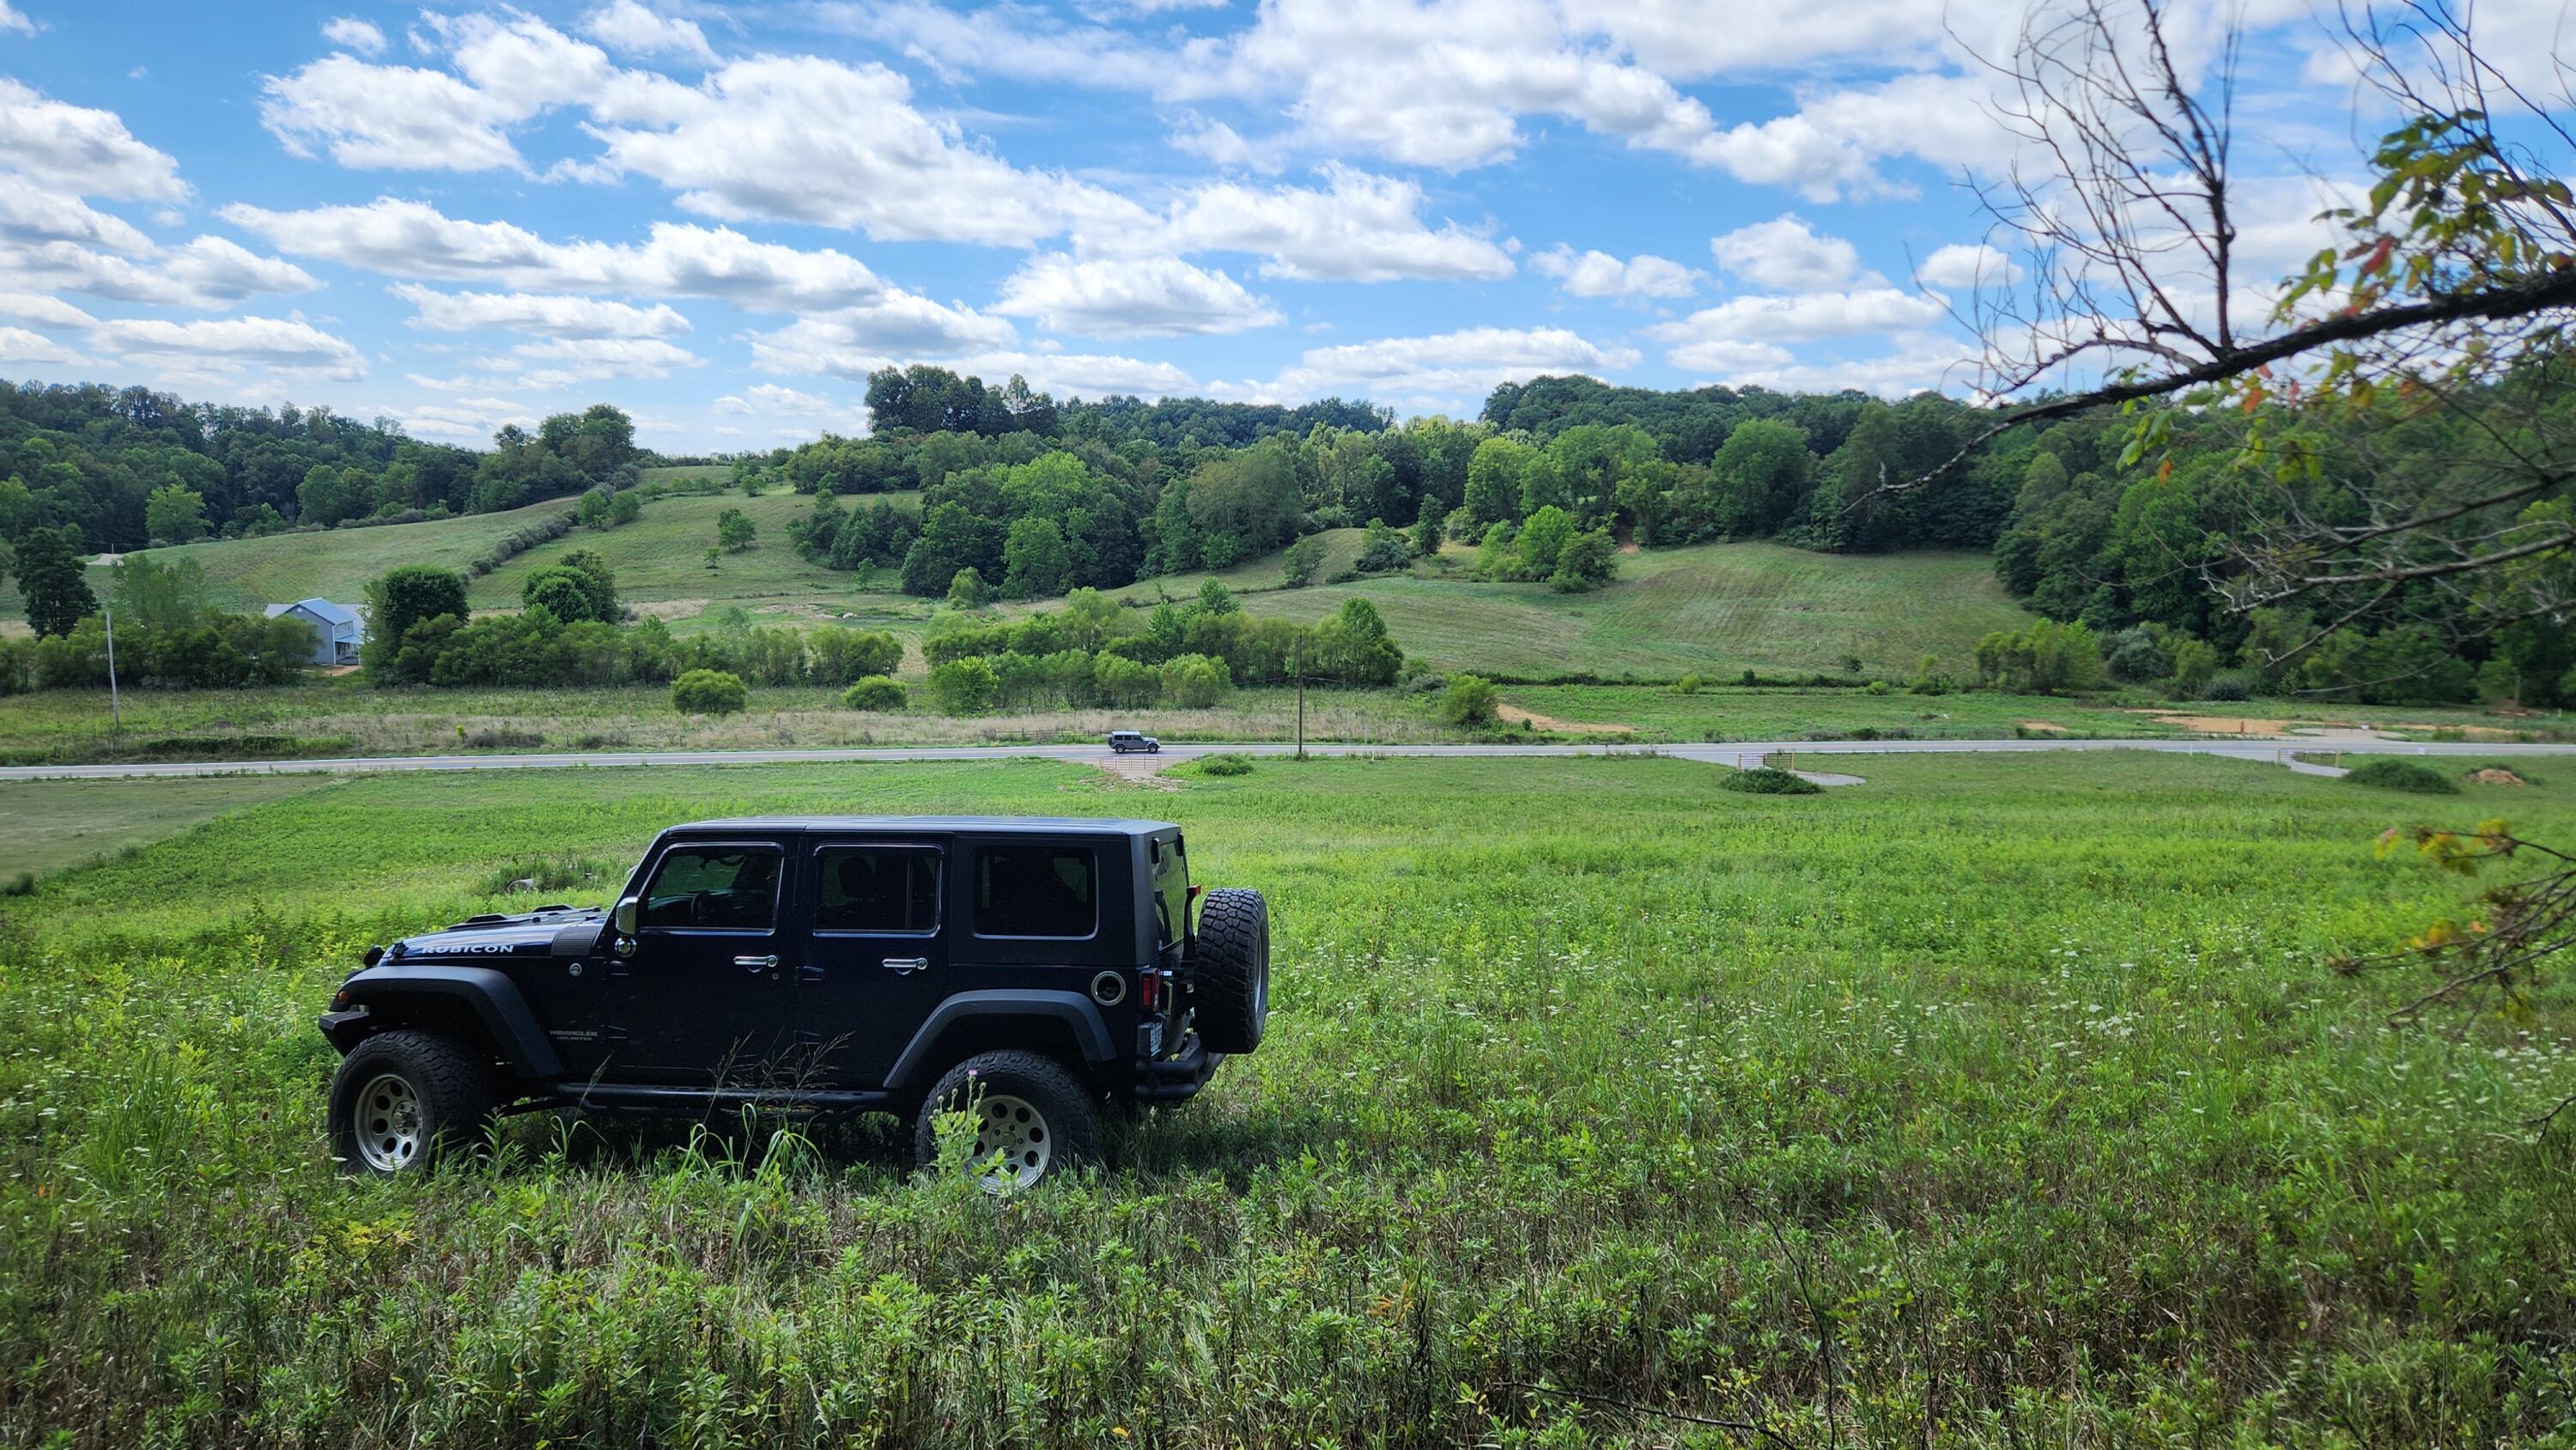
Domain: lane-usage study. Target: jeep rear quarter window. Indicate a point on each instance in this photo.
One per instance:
(1048, 891)
(1171, 867)
(719, 887)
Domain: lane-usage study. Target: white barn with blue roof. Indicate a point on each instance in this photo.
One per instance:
(337, 630)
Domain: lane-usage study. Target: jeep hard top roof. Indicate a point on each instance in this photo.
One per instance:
(944, 825)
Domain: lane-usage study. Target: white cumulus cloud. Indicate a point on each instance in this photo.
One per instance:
(1599, 274)
(82, 150)
(282, 344)
(544, 314)
(413, 239)
(630, 29)
(1787, 255)
(350, 33)
(1141, 297)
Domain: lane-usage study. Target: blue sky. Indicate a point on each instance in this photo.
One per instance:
(721, 217)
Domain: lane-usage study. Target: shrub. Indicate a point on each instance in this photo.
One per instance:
(2229, 685)
(1195, 681)
(876, 692)
(1688, 685)
(709, 692)
(841, 656)
(1879, 687)
(2389, 773)
(1225, 765)
(964, 687)
(1470, 700)
(1765, 780)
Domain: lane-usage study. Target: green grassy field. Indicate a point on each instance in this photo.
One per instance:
(335, 564)
(660, 563)
(1999, 1101)
(1714, 609)
(57, 823)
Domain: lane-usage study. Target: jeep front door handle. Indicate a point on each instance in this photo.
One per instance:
(757, 964)
(906, 965)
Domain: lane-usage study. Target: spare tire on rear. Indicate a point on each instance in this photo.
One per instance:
(1230, 975)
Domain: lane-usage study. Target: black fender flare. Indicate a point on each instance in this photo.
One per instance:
(1073, 1009)
(510, 1027)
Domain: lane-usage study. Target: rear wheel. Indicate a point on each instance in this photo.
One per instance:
(402, 1100)
(1026, 1109)
(1230, 975)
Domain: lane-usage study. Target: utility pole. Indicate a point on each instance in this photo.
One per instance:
(1297, 667)
(115, 706)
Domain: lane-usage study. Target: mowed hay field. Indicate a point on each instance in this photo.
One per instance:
(660, 559)
(1713, 609)
(333, 563)
(1999, 1101)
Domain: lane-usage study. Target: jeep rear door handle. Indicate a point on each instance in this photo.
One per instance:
(906, 965)
(757, 964)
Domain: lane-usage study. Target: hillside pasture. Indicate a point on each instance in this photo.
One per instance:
(1713, 609)
(661, 559)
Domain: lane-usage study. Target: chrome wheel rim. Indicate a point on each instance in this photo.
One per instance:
(1018, 1132)
(387, 1123)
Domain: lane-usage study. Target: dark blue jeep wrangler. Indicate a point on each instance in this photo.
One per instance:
(1024, 970)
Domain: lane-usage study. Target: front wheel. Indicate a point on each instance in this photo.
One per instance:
(401, 1100)
(1028, 1112)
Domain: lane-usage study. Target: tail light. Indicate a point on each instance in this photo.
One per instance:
(1149, 990)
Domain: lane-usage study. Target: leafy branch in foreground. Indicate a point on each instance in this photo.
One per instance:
(2504, 951)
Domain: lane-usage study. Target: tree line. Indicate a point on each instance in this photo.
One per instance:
(1024, 497)
(115, 470)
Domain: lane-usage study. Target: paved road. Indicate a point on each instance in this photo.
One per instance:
(1732, 753)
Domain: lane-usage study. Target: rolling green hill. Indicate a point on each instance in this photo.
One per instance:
(1715, 609)
(659, 559)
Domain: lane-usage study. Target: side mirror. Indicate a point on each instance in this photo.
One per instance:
(628, 909)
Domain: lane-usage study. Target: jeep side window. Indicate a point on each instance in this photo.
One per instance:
(1035, 891)
(876, 891)
(732, 888)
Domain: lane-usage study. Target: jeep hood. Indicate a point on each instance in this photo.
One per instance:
(549, 931)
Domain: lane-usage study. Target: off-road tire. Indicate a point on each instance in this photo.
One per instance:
(1066, 1114)
(452, 1092)
(1230, 974)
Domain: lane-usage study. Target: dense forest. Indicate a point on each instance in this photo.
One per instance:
(1026, 497)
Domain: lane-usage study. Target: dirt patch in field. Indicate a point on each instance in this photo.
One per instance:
(1518, 716)
(2220, 724)
(1138, 770)
(667, 610)
(2051, 726)
(2495, 775)
(2471, 732)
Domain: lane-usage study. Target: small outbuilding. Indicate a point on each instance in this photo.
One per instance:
(337, 629)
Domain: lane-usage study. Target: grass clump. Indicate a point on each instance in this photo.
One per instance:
(557, 872)
(2389, 773)
(1226, 765)
(1769, 780)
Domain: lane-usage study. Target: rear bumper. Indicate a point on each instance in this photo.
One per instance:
(1176, 1079)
